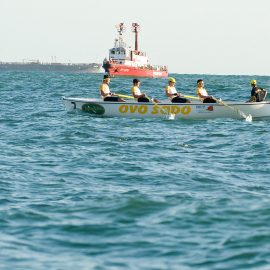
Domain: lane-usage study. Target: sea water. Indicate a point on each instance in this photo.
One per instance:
(85, 192)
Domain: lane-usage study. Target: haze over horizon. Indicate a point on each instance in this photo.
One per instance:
(190, 37)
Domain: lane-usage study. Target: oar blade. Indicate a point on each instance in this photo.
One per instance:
(249, 118)
(171, 116)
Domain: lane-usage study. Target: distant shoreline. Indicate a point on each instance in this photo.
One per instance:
(36, 65)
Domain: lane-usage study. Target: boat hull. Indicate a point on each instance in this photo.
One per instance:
(115, 70)
(195, 110)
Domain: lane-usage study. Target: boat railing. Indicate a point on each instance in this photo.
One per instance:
(139, 53)
(157, 67)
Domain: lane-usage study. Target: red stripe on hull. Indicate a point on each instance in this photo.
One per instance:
(121, 70)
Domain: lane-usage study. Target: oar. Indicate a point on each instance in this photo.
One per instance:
(124, 96)
(191, 97)
(241, 113)
(171, 116)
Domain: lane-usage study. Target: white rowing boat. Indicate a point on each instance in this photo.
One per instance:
(194, 110)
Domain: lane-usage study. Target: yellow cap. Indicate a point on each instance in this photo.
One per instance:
(253, 82)
(172, 80)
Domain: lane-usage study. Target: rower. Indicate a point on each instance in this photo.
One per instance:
(105, 92)
(138, 95)
(202, 93)
(258, 94)
(171, 92)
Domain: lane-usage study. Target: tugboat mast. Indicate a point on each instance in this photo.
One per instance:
(136, 28)
(120, 29)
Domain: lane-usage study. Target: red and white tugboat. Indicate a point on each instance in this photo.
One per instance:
(123, 61)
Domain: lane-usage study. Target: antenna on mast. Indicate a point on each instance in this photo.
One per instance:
(120, 29)
(136, 28)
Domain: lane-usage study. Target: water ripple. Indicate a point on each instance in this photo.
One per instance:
(109, 193)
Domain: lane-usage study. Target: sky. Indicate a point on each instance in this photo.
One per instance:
(189, 36)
